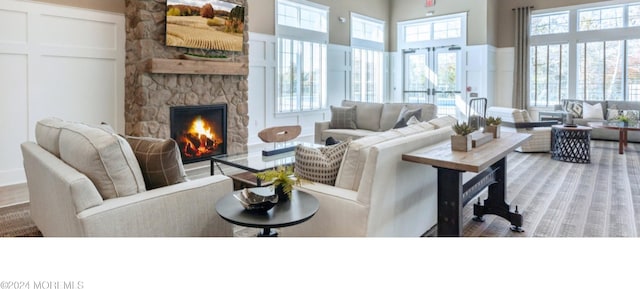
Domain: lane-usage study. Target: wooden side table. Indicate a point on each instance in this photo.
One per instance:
(571, 144)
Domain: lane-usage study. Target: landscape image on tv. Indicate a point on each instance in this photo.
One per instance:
(205, 24)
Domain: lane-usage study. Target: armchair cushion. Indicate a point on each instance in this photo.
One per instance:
(105, 158)
(159, 159)
(319, 164)
(343, 117)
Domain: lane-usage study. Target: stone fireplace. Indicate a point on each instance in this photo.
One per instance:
(150, 94)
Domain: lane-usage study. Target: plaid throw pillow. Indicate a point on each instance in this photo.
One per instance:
(159, 160)
(320, 165)
(343, 117)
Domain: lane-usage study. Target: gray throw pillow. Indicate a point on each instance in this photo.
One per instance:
(406, 114)
(343, 117)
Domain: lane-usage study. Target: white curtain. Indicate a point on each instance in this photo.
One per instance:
(521, 71)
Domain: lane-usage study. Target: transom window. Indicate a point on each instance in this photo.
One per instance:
(603, 18)
(550, 23)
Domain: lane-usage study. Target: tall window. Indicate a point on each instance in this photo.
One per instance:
(367, 69)
(585, 53)
(302, 33)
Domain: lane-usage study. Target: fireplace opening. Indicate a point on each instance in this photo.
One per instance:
(200, 131)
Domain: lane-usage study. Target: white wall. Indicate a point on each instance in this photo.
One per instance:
(504, 76)
(262, 87)
(56, 61)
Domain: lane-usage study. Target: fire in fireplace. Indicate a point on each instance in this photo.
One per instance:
(200, 131)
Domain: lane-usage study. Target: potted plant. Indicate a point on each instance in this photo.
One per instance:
(461, 141)
(623, 118)
(493, 126)
(283, 180)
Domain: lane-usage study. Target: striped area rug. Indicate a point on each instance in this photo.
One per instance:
(560, 199)
(15, 221)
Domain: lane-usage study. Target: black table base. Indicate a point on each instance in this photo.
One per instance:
(571, 145)
(453, 195)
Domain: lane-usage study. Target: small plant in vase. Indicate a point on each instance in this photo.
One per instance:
(461, 141)
(493, 126)
(283, 179)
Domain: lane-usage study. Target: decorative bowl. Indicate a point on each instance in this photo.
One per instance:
(254, 202)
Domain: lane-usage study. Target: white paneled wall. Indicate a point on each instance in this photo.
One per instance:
(504, 76)
(262, 87)
(56, 61)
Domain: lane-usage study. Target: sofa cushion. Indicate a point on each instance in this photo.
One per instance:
(343, 117)
(319, 165)
(573, 107)
(105, 158)
(592, 111)
(443, 121)
(160, 161)
(406, 114)
(368, 114)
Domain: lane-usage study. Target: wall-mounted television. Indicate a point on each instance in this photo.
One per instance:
(205, 24)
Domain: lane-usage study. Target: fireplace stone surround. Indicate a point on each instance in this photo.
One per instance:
(149, 96)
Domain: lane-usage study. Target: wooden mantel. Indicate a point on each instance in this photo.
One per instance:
(186, 66)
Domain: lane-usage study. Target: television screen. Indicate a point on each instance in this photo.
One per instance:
(205, 24)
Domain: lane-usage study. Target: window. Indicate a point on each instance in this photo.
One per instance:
(588, 61)
(367, 69)
(302, 56)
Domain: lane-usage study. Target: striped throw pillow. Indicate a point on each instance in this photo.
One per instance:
(319, 165)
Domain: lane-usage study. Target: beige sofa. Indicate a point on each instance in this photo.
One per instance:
(371, 118)
(376, 193)
(66, 202)
(609, 109)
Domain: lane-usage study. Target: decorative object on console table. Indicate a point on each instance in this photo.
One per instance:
(479, 138)
(461, 141)
(283, 179)
(493, 126)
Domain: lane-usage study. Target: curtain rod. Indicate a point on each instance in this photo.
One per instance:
(514, 9)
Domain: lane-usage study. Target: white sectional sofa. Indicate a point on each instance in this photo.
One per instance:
(376, 193)
(371, 118)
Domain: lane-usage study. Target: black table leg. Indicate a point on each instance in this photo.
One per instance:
(267, 232)
(495, 203)
(449, 203)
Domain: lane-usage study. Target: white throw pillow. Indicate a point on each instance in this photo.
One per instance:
(592, 111)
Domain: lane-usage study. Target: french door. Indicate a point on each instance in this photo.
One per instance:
(433, 75)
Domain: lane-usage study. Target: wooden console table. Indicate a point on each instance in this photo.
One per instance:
(489, 161)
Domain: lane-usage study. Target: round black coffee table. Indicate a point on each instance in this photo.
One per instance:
(571, 143)
(300, 208)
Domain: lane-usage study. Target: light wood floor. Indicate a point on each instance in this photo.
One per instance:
(13, 195)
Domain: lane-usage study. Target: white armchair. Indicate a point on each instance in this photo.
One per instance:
(68, 203)
(520, 121)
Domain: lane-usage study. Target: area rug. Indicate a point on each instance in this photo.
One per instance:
(15, 221)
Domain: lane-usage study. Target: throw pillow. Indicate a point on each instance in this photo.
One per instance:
(343, 117)
(613, 113)
(574, 108)
(592, 111)
(159, 160)
(406, 114)
(319, 165)
(105, 158)
(413, 120)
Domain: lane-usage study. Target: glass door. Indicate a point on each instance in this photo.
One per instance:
(433, 75)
